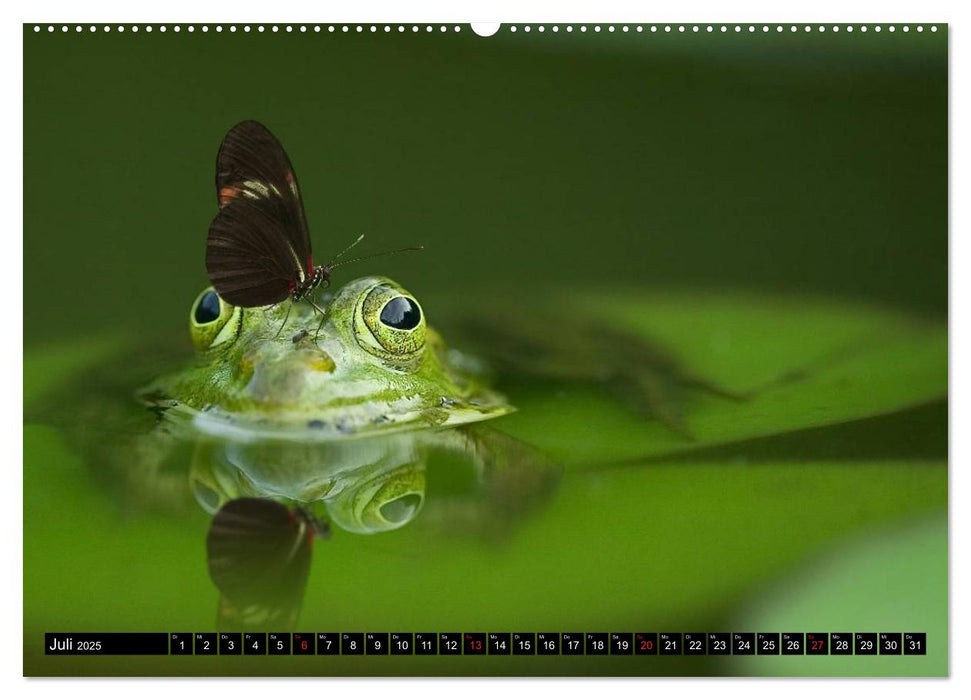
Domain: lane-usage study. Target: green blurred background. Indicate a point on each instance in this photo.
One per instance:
(791, 162)
(768, 196)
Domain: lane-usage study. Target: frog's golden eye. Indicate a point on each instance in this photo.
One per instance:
(389, 323)
(212, 321)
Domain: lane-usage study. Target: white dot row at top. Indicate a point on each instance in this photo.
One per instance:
(667, 28)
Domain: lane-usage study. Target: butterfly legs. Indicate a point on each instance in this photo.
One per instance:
(322, 317)
(285, 319)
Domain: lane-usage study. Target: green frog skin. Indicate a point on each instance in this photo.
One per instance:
(374, 366)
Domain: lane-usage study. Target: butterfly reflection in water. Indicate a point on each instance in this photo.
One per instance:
(259, 554)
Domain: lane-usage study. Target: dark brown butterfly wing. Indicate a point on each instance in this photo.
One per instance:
(259, 554)
(256, 262)
(250, 259)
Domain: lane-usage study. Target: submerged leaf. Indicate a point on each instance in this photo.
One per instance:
(790, 364)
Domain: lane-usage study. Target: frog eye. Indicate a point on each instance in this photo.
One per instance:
(385, 502)
(208, 308)
(212, 321)
(401, 313)
(390, 323)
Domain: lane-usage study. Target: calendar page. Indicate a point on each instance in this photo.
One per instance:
(546, 349)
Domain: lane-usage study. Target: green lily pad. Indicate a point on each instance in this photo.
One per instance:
(793, 363)
(891, 581)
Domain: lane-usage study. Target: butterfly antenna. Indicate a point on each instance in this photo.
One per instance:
(378, 255)
(338, 256)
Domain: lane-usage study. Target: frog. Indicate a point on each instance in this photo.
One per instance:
(373, 366)
(339, 420)
(339, 413)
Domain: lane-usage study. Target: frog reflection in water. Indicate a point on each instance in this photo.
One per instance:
(344, 421)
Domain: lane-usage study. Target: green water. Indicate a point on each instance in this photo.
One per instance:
(771, 210)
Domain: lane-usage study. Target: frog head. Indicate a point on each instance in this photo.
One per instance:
(369, 362)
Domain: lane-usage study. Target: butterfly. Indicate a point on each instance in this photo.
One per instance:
(258, 251)
(259, 552)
